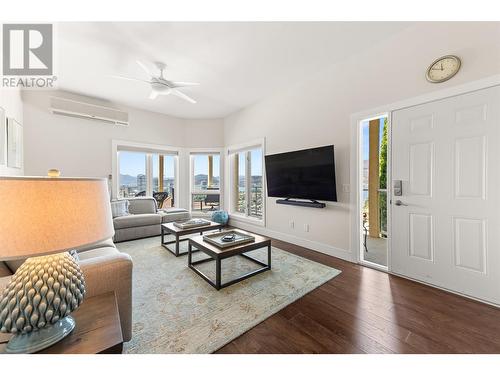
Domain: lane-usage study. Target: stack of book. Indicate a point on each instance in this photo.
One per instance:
(192, 223)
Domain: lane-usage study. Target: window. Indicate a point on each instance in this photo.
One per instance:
(163, 168)
(132, 173)
(205, 182)
(241, 202)
(144, 172)
(247, 182)
(255, 195)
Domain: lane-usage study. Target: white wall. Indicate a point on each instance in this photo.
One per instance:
(10, 101)
(317, 112)
(80, 147)
(313, 110)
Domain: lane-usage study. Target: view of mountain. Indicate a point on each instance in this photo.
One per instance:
(203, 177)
(126, 179)
(255, 181)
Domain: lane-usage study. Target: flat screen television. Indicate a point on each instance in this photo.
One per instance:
(304, 174)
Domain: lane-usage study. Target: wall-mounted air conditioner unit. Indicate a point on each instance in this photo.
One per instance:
(77, 109)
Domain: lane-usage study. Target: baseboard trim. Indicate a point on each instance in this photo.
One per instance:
(312, 245)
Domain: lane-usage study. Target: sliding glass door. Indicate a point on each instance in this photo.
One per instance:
(163, 171)
(145, 173)
(205, 183)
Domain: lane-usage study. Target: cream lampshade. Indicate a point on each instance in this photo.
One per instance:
(43, 218)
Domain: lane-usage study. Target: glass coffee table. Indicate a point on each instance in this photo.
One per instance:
(170, 229)
(217, 253)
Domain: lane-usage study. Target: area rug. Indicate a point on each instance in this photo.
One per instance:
(176, 311)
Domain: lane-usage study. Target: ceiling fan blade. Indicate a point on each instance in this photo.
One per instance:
(145, 68)
(153, 95)
(130, 79)
(183, 96)
(184, 84)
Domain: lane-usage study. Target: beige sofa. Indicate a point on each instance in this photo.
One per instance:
(105, 270)
(145, 219)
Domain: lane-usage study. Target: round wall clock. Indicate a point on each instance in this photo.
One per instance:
(443, 69)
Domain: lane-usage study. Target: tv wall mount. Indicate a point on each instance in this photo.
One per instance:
(294, 202)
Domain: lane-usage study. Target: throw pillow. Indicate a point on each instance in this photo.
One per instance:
(119, 208)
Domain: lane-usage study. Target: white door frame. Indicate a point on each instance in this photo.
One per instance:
(355, 163)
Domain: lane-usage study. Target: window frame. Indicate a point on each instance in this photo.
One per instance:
(231, 152)
(148, 150)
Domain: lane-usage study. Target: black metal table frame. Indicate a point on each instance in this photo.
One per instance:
(218, 259)
(178, 240)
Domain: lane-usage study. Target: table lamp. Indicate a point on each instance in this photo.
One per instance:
(41, 218)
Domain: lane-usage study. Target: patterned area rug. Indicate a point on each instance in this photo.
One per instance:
(176, 311)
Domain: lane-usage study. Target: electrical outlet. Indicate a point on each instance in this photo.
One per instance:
(346, 188)
(306, 227)
(292, 224)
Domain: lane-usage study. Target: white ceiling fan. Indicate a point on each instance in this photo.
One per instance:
(160, 85)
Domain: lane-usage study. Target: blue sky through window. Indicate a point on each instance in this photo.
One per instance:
(201, 165)
(256, 158)
(255, 165)
(168, 166)
(132, 163)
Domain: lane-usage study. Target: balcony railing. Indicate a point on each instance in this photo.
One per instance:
(382, 207)
(205, 202)
(255, 206)
(256, 203)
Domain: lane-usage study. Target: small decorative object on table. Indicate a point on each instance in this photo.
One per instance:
(191, 223)
(228, 238)
(97, 329)
(221, 217)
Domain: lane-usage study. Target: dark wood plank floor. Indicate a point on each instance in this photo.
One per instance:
(366, 311)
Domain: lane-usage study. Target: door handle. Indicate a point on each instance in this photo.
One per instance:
(399, 203)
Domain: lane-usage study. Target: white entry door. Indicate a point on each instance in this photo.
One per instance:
(446, 226)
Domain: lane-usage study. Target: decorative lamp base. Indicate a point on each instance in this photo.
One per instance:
(38, 340)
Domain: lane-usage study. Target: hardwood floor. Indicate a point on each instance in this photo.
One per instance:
(366, 311)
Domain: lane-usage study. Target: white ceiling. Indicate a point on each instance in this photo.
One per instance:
(236, 64)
